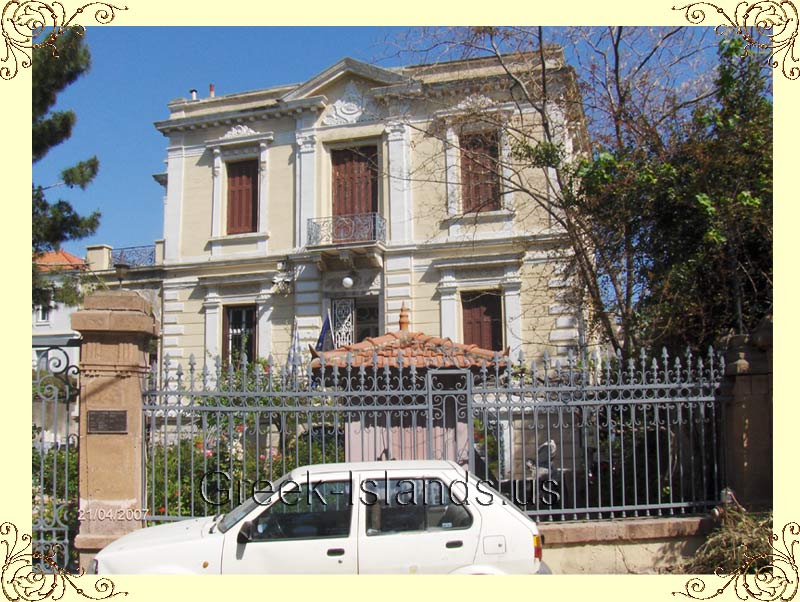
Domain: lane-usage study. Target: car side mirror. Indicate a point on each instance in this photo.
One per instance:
(245, 533)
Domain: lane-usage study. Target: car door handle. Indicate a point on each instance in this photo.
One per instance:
(336, 552)
(454, 544)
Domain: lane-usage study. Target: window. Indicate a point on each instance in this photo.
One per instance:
(355, 180)
(404, 505)
(480, 182)
(354, 319)
(239, 333)
(42, 314)
(242, 196)
(312, 510)
(483, 319)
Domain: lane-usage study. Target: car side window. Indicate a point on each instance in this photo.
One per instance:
(309, 511)
(408, 505)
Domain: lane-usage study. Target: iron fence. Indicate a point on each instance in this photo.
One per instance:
(339, 229)
(587, 438)
(54, 478)
(135, 257)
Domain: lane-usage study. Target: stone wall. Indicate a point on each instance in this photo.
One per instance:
(747, 413)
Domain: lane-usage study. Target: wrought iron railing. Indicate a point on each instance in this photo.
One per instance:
(54, 477)
(359, 227)
(135, 257)
(589, 438)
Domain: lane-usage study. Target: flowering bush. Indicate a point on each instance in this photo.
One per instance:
(208, 460)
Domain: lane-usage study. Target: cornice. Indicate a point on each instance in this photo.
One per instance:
(238, 117)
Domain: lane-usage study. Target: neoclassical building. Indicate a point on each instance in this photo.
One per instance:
(350, 194)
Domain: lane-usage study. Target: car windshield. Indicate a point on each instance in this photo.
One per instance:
(259, 498)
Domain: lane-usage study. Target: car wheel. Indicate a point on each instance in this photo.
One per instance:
(544, 569)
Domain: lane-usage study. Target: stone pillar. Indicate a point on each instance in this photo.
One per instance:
(216, 198)
(306, 190)
(212, 306)
(116, 329)
(747, 396)
(512, 302)
(400, 220)
(448, 306)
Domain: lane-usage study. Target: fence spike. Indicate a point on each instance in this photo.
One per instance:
(204, 376)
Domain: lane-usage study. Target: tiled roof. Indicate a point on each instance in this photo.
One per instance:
(422, 350)
(58, 260)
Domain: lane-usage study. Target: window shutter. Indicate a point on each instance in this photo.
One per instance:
(355, 180)
(482, 319)
(242, 197)
(479, 180)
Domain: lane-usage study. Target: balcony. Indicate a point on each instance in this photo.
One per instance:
(346, 230)
(135, 257)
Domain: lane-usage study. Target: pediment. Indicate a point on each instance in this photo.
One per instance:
(350, 101)
(346, 68)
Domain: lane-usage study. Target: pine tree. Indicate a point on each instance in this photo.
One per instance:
(54, 223)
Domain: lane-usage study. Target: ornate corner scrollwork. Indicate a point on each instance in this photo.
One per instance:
(35, 575)
(763, 25)
(25, 21)
(769, 576)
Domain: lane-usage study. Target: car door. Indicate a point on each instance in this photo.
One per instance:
(412, 524)
(306, 528)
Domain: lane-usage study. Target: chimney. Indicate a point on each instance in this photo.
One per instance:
(193, 92)
(403, 318)
(211, 90)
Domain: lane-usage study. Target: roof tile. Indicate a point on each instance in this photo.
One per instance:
(416, 348)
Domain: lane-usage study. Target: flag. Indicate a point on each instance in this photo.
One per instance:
(294, 350)
(325, 340)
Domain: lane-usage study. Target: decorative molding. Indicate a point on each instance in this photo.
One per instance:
(24, 21)
(240, 130)
(22, 580)
(250, 151)
(215, 169)
(475, 102)
(239, 238)
(767, 577)
(351, 108)
(240, 140)
(763, 25)
(508, 261)
(396, 131)
(306, 142)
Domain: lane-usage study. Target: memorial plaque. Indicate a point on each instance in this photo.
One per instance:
(107, 421)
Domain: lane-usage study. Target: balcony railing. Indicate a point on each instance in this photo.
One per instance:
(135, 257)
(341, 229)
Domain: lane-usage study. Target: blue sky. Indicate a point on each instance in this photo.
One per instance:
(136, 71)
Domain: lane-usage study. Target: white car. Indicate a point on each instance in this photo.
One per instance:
(356, 518)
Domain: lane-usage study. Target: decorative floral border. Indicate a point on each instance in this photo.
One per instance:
(23, 21)
(764, 25)
(777, 580)
(21, 579)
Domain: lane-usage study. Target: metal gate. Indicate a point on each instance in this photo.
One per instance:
(55, 456)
